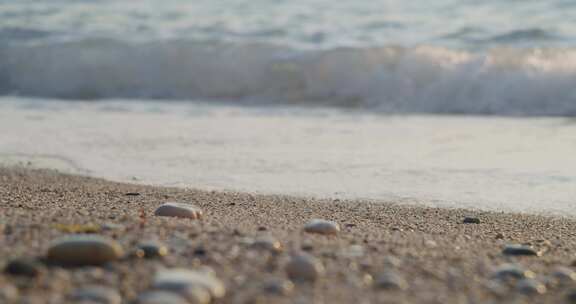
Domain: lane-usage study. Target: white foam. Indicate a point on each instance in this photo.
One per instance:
(389, 79)
(503, 164)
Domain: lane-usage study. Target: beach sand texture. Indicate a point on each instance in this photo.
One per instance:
(383, 253)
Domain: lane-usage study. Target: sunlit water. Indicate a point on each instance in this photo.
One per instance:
(451, 103)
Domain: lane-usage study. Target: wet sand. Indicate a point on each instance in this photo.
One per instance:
(441, 259)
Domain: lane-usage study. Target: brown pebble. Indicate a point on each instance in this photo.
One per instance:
(83, 250)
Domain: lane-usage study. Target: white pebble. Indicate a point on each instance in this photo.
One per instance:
(96, 294)
(160, 297)
(179, 210)
(188, 283)
(322, 227)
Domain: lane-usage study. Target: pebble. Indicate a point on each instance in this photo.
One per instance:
(512, 271)
(564, 275)
(8, 293)
(471, 220)
(151, 249)
(322, 227)
(267, 243)
(190, 284)
(530, 287)
(23, 267)
(81, 250)
(391, 281)
(179, 210)
(160, 297)
(278, 287)
(96, 294)
(515, 249)
(304, 267)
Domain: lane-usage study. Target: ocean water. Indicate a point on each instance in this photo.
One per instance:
(450, 103)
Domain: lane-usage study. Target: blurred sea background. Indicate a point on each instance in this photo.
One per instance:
(448, 103)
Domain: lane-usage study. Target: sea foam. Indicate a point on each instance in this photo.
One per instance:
(423, 79)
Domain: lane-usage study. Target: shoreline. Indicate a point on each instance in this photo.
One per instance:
(442, 259)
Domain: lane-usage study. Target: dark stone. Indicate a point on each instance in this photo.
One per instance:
(23, 267)
(200, 251)
(262, 228)
(132, 194)
(471, 220)
(519, 250)
(152, 249)
(511, 271)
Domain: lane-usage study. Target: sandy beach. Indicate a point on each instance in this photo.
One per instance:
(431, 254)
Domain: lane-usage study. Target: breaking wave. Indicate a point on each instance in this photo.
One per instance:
(422, 79)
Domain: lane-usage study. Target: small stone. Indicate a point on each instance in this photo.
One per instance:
(322, 227)
(8, 293)
(179, 210)
(151, 249)
(517, 250)
(81, 250)
(530, 287)
(564, 275)
(304, 267)
(96, 294)
(392, 261)
(471, 220)
(266, 243)
(353, 251)
(499, 236)
(160, 297)
(391, 281)
(112, 226)
(188, 283)
(278, 287)
(512, 271)
(23, 267)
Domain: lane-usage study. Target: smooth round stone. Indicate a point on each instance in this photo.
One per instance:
(391, 281)
(151, 249)
(266, 243)
(179, 210)
(304, 267)
(519, 250)
(83, 250)
(530, 287)
(96, 294)
(186, 282)
(512, 271)
(322, 227)
(160, 297)
(23, 267)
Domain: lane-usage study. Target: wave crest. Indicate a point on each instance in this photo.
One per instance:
(422, 79)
